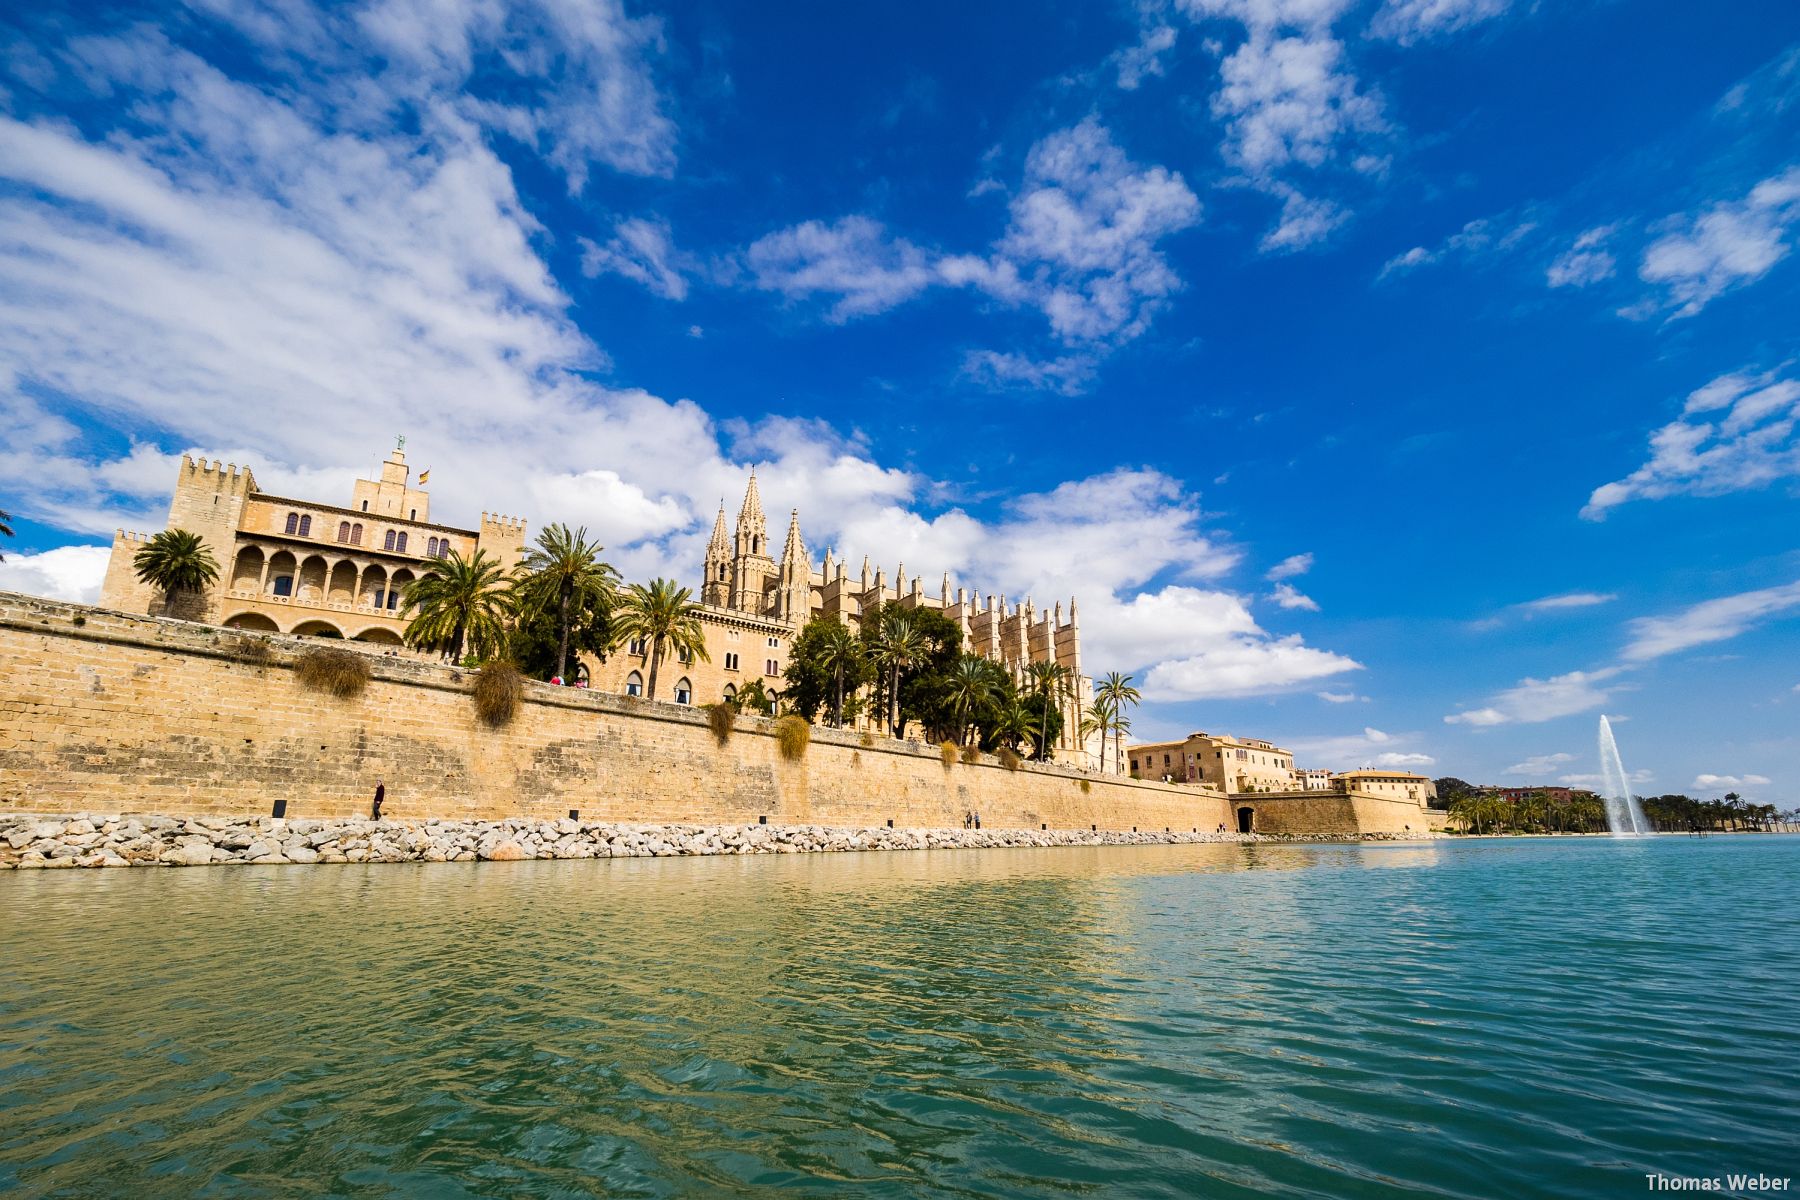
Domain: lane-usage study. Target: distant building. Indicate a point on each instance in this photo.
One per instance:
(298, 566)
(1314, 779)
(1561, 795)
(1230, 764)
(1393, 785)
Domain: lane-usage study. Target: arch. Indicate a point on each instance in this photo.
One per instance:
(246, 572)
(396, 596)
(380, 635)
(374, 588)
(387, 542)
(293, 524)
(343, 531)
(309, 585)
(282, 569)
(318, 629)
(356, 534)
(342, 589)
(1246, 818)
(634, 684)
(252, 620)
(400, 544)
(730, 692)
(305, 526)
(684, 691)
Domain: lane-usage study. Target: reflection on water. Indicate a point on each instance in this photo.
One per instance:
(1444, 1019)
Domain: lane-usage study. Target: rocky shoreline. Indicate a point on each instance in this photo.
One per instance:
(113, 840)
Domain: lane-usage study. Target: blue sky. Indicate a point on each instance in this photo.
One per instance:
(1408, 381)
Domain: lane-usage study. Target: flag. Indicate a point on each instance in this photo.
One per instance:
(423, 476)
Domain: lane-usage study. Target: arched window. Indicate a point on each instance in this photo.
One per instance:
(731, 691)
(293, 523)
(356, 534)
(684, 654)
(638, 647)
(343, 531)
(721, 571)
(684, 692)
(284, 585)
(430, 547)
(387, 543)
(400, 544)
(305, 526)
(634, 684)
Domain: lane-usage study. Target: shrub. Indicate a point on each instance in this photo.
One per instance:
(79, 621)
(1086, 787)
(721, 720)
(868, 739)
(793, 734)
(253, 649)
(1009, 758)
(971, 754)
(499, 689)
(340, 673)
(947, 751)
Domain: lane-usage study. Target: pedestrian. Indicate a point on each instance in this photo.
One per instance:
(978, 820)
(380, 795)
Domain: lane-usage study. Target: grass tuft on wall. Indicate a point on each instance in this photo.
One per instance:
(1009, 758)
(971, 754)
(499, 690)
(721, 719)
(948, 752)
(340, 673)
(793, 735)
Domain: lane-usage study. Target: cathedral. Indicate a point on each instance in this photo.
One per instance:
(753, 606)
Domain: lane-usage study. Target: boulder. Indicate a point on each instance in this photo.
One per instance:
(503, 850)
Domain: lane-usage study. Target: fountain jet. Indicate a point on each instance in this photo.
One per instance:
(1624, 816)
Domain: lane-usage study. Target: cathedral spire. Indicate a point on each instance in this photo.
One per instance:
(753, 509)
(721, 540)
(794, 553)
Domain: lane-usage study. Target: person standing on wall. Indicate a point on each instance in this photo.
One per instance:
(380, 795)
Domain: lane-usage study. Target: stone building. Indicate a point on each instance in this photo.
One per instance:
(296, 566)
(754, 604)
(1392, 785)
(1218, 760)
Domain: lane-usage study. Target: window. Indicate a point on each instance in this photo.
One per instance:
(365, 506)
(431, 547)
(393, 598)
(400, 543)
(773, 642)
(638, 647)
(388, 542)
(343, 531)
(634, 684)
(684, 692)
(356, 533)
(684, 654)
(731, 662)
(721, 571)
(415, 515)
(293, 523)
(284, 585)
(305, 526)
(771, 667)
(731, 691)
(379, 597)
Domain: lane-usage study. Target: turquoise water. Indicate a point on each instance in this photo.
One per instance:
(1462, 1019)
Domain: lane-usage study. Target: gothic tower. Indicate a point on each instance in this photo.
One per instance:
(795, 592)
(751, 567)
(715, 587)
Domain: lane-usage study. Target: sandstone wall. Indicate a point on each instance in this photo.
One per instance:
(105, 711)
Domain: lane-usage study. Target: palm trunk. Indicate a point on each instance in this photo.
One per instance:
(655, 662)
(562, 645)
(837, 697)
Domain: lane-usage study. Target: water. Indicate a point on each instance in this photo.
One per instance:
(1473, 1018)
(1624, 815)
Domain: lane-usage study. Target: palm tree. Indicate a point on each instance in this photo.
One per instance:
(564, 570)
(897, 645)
(1050, 680)
(6, 529)
(666, 618)
(1117, 691)
(841, 654)
(176, 561)
(459, 601)
(970, 685)
(1012, 724)
(1099, 719)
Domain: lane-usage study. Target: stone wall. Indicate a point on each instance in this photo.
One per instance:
(106, 711)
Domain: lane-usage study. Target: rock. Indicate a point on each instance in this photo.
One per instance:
(78, 828)
(300, 854)
(193, 854)
(504, 850)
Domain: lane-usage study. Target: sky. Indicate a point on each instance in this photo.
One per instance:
(1408, 382)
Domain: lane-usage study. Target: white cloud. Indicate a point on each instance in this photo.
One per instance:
(1143, 60)
(1286, 595)
(1595, 782)
(1371, 748)
(1733, 242)
(1340, 697)
(1482, 239)
(643, 251)
(1291, 566)
(1701, 454)
(1709, 621)
(1730, 783)
(65, 573)
(1068, 374)
(1081, 247)
(1540, 764)
(1399, 760)
(1586, 262)
(1566, 600)
(1409, 21)
(1534, 700)
(853, 259)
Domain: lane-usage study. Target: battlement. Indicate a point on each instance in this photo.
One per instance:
(226, 476)
(130, 535)
(497, 523)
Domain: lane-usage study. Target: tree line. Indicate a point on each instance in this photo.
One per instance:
(1481, 809)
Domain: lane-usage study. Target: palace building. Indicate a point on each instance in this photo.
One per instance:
(754, 604)
(296, 566)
